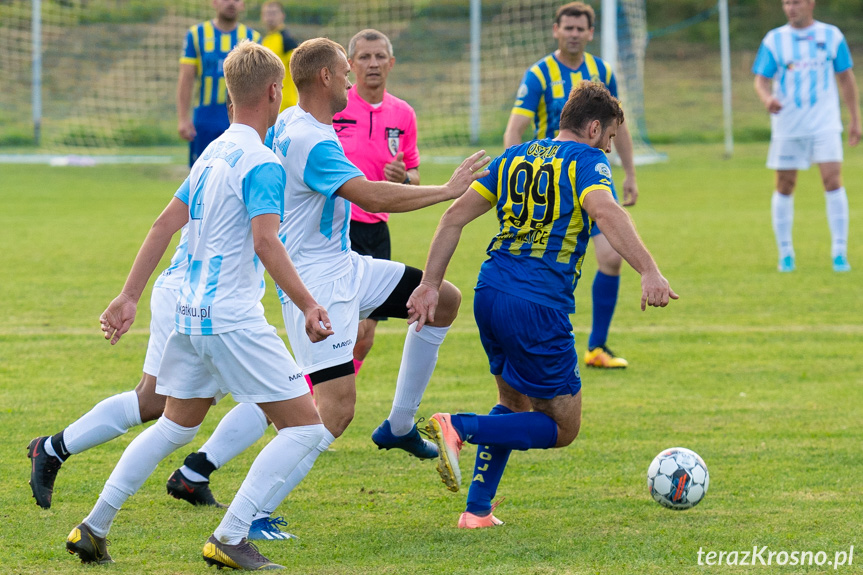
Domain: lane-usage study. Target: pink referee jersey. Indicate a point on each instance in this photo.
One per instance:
(372, 137)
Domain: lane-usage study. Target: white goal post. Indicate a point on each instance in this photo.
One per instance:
(631, 19)
(90, 76)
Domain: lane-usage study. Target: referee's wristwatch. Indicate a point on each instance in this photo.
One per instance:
(407, 179)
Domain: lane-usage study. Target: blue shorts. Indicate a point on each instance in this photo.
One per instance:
(206, 133)
(210, 123)
(530, 345)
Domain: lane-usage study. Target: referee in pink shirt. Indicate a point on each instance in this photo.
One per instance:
(379, 135)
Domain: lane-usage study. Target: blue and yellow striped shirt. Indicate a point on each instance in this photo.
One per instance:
(206, 48)
(537, 189)
(546, 87)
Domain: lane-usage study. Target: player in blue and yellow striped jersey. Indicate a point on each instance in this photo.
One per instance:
(541, 97)
(546, 194)
(204, 51)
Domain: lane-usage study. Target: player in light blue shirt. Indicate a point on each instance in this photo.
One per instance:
(799, 71)
(321, 185)
(233, 201)
(545, 194)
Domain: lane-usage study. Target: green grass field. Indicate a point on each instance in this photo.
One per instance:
(757, 371)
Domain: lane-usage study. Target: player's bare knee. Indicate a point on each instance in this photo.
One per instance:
(785, 182)
(151, 407)
(515, 402)
(610, 265)
(336, 418)
(567, 434)
(832, 182)
(150, 404)
(448, 304)
(337, 423)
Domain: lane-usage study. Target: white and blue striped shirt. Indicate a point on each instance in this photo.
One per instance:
(236, 179)
(172, 276)
(803, 63)
(315, 228)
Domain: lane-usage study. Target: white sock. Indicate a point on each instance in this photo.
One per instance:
(101, 517)
(49, 449)
(297, 475)
(110, 418)
(782, 209)
(193, 475)
(267, 474)
(418, 362)
(135, 466)
(238, 430)
(837, 219)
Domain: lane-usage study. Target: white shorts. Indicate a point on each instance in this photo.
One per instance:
(352, 297)
(252, 364)
(163, 307)
(800, 153)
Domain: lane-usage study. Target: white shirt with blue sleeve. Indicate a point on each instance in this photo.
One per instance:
(236, 179)
(803, 63)
(315, 228)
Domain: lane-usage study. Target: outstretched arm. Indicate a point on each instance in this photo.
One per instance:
(424, 299)
(848, 87)
(120, 313)
(377, 197)
(618, 228)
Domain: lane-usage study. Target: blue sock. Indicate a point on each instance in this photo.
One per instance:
(527, 430)
(605, 290)
(487, 472)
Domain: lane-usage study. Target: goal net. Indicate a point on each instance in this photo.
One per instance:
(109, 67)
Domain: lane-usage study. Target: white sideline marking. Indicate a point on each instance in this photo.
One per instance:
(83, 161)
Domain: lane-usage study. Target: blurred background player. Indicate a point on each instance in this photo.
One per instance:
(279, 40)
(204, 51)
(379, 135)
(797, 69)
(540, 99)
(521, 312)
(233, 202)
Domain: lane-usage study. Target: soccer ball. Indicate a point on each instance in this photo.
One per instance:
(677, 478)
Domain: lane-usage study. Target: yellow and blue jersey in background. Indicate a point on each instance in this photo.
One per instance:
(546, 87)
(206, 48)
(537, 189)
(282, 43)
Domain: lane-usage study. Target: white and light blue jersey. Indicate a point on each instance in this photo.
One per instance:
(315, 228)
(803, 63)
(236, 179)
(172, 276)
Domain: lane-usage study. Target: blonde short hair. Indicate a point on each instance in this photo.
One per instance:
(310, 57)
(249, 69)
